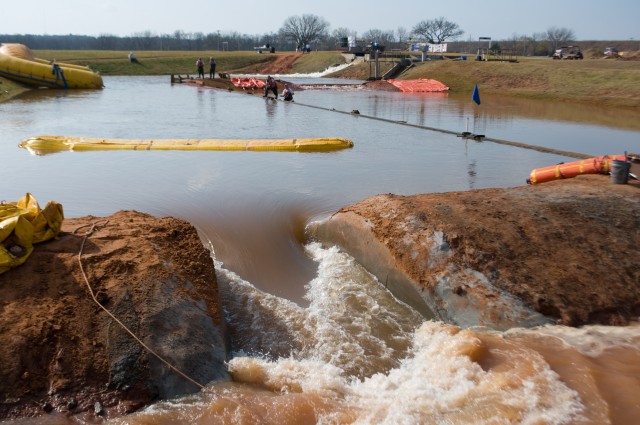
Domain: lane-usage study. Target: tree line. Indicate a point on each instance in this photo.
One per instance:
(297, 32)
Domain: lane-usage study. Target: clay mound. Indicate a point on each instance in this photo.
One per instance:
(60, 351)
(566, 250)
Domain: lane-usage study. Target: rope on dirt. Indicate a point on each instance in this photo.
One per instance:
(93, 296)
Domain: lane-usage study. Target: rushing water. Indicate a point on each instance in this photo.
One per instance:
(316, 339)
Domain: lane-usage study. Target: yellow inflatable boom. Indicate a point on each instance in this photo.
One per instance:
(61, 143)
(18, 63)
(22, 224)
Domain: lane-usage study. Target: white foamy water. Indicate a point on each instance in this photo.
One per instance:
(593, 341)
(357, 355)
(330, 70)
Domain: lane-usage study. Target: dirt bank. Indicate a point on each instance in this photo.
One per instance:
(59, 352)
(567, 250)
(10, 89)
(282, 64)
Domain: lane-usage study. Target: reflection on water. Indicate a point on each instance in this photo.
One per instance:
(564, 126)
(316, 339)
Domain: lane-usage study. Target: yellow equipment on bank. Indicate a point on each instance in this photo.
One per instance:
(18, 63)
(44, 144)
(23, 224)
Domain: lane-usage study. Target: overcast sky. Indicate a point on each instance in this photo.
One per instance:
(499, 19)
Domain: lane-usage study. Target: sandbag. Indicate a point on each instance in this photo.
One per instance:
(421, 85)
(23, 224)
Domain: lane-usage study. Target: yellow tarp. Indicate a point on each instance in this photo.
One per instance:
(23, 224)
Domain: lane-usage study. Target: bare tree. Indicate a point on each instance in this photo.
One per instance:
(104, 42)
(340, 37)
(538, 46)
(402, 34)
(559, 36)
(380, 36)
(341, 32)
(437, 30)
(526, 45)
(304, 29)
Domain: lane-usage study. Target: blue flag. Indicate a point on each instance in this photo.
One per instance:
(476, 95)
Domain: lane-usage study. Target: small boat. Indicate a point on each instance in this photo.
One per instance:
(18, 63)
(596, 165)
(47, 144)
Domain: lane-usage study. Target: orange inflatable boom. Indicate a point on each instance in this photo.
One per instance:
(597, 165)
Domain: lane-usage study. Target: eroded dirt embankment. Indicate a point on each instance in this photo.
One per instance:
(565, 251)
(59, 351)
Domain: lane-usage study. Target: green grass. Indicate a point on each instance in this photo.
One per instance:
(317, 61)
(595, 81)
(153, 62)
(111, 62)
(183, 62)
(605, 82)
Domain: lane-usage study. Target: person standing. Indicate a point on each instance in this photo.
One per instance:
(200, 66)
(212, 68)
(270, 86)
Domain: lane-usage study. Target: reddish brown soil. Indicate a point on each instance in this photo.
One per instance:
(283, 64)
(60, 352)
(569, 249)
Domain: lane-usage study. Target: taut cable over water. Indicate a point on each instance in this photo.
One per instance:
(442, 130)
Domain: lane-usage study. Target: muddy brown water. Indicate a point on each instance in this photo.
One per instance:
(322, 341)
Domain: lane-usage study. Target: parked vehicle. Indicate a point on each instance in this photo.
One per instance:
(568, 52)
(611, 52)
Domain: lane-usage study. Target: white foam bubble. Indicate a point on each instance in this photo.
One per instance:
(260, 323)
(591, 340)
(330, 70)
(442, 382)
(430, 376)
(357, 324)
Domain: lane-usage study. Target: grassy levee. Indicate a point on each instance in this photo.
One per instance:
(183, 62)
(109, 62)
(316, 62)
(595, 81)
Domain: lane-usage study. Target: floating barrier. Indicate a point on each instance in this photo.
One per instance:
(18, 63)
(45, 144)
(597, 165)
